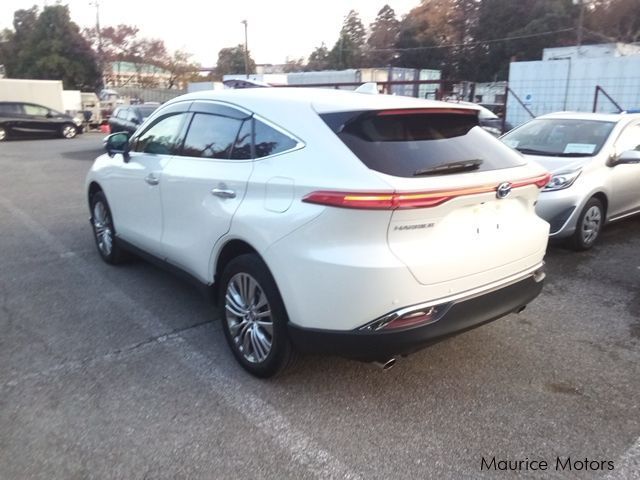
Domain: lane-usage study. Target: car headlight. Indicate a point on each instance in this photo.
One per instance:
(77, 121)
(562, 180)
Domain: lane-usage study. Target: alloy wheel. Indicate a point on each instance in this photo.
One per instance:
(68, 131)
(248, 316)
(103, 228)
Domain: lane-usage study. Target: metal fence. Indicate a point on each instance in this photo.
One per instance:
(159, 95)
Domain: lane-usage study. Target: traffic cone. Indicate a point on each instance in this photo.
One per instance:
(104, 128)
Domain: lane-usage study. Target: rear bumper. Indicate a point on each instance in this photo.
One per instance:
(461, 315)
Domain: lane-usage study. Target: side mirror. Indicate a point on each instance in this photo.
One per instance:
(117, 143)
(627, 157)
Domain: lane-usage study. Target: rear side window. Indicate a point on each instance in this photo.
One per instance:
(122, 113)
(411, 143)
(242, 148)
(211, 136)
(9, 108)
(269, 141)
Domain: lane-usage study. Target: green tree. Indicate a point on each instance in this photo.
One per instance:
(294, 65)
(231, 61)
(319, 58)
(348, 52)
(613, 20)
(420, 36)
(50, 46)
(382, 38)
(531, 19)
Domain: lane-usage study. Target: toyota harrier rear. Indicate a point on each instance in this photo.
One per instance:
(334, 222)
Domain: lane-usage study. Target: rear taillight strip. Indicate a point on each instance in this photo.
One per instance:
(395, 200)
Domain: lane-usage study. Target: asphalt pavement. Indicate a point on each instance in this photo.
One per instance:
(123, 372)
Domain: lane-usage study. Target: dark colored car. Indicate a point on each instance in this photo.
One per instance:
(128, 118)
(22, 118)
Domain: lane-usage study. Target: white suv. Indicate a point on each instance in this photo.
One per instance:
(326, 221)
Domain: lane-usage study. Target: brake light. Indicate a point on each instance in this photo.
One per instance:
(428, 111)
(394, 200)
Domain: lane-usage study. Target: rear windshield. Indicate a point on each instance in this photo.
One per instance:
(406, 143)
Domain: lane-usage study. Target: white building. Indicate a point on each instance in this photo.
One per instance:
(567, 77)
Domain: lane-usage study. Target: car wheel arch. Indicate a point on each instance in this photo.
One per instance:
(230, 250)
(94, 187)
(603, 199)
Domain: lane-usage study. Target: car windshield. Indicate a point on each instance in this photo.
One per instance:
(560, 137)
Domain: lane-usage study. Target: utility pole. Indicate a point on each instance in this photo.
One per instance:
(580, 24)
(246, 50)
(96, 3)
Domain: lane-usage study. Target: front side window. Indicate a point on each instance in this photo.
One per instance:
(162, 137)
(211, 136)
(35, 110)
(629, 139)
(269, 141)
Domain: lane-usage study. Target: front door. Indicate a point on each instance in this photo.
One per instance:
(135, 199)
(625, 197)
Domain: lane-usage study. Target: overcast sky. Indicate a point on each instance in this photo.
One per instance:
(277, 28)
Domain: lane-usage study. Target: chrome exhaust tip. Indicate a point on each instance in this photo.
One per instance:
(386, 365)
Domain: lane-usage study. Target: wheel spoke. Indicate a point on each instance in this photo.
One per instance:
(237, 297)
(245, 338)
(236, 328)
(266, 326)
(261, 301)
(234, 306)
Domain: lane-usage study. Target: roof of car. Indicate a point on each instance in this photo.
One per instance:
(323, 100)
(603, 117)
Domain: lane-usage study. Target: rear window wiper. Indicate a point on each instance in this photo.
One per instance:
(453, 167)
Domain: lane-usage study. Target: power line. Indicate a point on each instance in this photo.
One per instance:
(477, 42)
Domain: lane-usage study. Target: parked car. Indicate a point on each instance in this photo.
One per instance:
(326, 221)
(491, 122)
(128, 118)
(595, 162)
(22, 118)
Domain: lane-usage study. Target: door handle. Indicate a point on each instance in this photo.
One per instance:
(223, 193)
(151, 179)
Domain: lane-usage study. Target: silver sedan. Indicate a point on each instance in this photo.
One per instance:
(595, 163)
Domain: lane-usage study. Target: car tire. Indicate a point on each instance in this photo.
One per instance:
(3, 134)
(68, 131)
(253, 316)
(589, 225)
(104, 232)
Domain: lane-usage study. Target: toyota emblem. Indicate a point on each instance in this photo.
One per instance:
(503, 190)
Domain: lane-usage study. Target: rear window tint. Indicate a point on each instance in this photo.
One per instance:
(406, 144)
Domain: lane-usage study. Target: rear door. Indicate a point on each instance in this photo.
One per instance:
(204, 185)
(464, 212)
